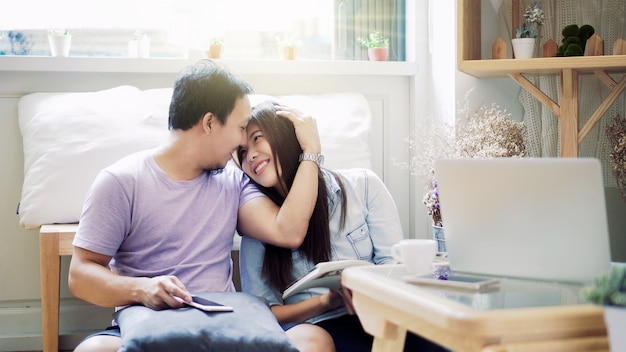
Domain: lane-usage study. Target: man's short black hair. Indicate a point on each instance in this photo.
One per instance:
(202, 88)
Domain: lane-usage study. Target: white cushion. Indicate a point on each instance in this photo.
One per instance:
(343, 122)
(69, 137)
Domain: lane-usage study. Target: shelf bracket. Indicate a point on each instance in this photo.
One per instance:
(605, 78)
(616, 91)
(536, 92)
(569, 97)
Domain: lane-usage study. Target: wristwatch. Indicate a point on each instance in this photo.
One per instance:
(316, 158)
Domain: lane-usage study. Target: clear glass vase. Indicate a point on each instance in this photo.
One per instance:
(439, 236)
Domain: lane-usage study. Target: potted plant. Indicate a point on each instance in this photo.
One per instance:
(525, 36)
(60, 40)
(574, 40)
(139, 44)
(216, 46)
(19, 43)
(377, 46)
(288, 46)
(609, 290)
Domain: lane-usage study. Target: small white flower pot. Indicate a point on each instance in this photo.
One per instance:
(139, 48)
(523, 48)
(60, 45)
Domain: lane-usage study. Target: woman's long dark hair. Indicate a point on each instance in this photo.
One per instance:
(316, 247)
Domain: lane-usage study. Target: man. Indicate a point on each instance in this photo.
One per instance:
(159, 224)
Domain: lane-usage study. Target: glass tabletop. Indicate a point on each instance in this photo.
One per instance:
(507, 294)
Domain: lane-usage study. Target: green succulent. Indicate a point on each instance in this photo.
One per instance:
(574, 40)
(217, 41)
(287, 40)
(609, 289)
(374, 40)
(58, 31)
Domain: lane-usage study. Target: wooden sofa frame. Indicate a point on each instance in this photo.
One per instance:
(55, 241)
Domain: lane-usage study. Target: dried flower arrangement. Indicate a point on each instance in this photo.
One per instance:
(487, 132)
(616, 134)
(533, 19)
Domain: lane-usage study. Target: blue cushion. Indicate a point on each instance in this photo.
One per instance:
(250, 327)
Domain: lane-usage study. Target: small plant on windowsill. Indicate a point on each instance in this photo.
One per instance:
(60, 40)
(19, 43)
(287, 40)
(374, 40)
(57, 32)
(216, 46)
(216, 41)
(288, 46)
(377, 46)
(139, 44)
(138, 35)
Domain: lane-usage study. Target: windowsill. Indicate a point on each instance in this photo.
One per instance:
(174, 65)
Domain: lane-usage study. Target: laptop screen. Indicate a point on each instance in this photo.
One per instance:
(536, 218)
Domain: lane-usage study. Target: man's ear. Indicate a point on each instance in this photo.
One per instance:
(207, 121)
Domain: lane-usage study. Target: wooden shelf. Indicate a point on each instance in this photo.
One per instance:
(469, 58)
(543, 66)
(568, 69)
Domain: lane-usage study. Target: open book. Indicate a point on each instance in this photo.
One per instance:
(325, 274)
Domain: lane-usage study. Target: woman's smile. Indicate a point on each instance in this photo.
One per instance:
(259, 168)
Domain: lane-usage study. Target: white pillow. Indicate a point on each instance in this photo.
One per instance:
(69, 137)
(343, 122)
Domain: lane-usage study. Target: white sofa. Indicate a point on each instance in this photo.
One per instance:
(69, 137)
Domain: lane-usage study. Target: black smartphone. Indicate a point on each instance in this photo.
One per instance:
(206, 305)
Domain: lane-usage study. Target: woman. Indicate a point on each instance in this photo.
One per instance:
(354, 217)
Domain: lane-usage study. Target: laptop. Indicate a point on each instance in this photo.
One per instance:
(532, 218)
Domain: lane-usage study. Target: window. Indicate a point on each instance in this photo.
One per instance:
(326, 29)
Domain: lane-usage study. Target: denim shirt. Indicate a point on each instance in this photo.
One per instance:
(372, 226)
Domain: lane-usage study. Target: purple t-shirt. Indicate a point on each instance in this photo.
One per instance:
(153, 225)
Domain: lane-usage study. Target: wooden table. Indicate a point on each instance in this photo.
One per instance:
(516, 315)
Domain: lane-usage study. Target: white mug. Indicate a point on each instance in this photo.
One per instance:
(416, 254)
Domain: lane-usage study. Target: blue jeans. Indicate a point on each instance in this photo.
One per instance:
(110, 331)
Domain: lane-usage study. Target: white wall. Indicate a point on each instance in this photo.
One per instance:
(441, 88)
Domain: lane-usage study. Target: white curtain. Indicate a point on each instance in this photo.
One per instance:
(608, 18)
